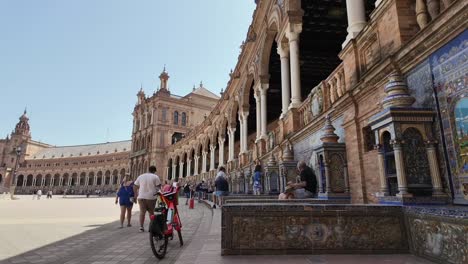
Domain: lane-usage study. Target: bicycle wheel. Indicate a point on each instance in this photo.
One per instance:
(180, 237)
(158, 245)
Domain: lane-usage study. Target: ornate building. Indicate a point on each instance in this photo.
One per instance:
(164, 119)
(390, 74)
(74, 168)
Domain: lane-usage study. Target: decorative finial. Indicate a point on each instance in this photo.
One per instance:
(329, 135)
(164, 70)
(397, 92)
(201, 83)
(222, 91)
(194, 87)
(25, 110)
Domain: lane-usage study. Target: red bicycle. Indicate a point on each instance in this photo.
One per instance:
(164, 221)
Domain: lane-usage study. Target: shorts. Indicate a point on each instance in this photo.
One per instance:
(221, 193)
(147, 205)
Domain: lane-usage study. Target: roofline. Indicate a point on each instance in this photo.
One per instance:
(94, 144)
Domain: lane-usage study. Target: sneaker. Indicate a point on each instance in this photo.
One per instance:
(142, 230)
(129, 225)
(214, 206)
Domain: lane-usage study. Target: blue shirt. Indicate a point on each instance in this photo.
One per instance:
(124, 194)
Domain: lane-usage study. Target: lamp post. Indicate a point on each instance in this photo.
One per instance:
(15, 169)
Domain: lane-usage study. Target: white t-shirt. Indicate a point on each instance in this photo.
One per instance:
(149, 185)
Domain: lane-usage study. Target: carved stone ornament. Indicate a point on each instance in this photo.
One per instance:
(397, 92)
(421, 13)
(329, 135)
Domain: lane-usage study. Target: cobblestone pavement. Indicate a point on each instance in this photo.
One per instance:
(202, 236)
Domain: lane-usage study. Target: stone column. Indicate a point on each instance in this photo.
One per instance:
(263, 100)
(327, 176)
(189, 167)
(221, 150)
(181, 170)
(356, 18)
(258, 110)
(283, 51)
(195, 170)
(382, 174)
(231, 135)
(212, 156)
(434, 168)
(204, 154)
(33, 181)
(173, 171)
(243, 116)
(400, 169)
(295, 70)
(86, 180)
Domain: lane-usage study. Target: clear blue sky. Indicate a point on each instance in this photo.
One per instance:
(78, 64)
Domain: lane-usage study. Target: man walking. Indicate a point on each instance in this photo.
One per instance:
(145, 188)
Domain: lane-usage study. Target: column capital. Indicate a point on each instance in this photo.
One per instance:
(231, 129)
(243, 114)
(212, 147)
(221, 139)
(293, 31)
(431, 143)
(283, 50)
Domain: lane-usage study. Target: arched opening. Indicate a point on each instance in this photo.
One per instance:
(91, 179)
(29, 180)
(176, 137)
(148, 142)
(418, 175)
(66, 179)
(177, 167)
(200, 150)
(208, 158)
(20, 180)
(1, 179)
(107, 179)
(48, 180)
(82, 179)
(115, 177)
(192, 166)
(184, 165)
(74, 179)
(169, 171)
(99, 178)
(237, 137)
(39, 180)
(390, 167)
(252, 118)
(274, 99)
(56, 180)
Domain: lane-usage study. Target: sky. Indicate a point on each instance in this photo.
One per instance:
(77, 65)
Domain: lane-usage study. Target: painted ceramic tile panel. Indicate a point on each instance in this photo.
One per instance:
(450, 72)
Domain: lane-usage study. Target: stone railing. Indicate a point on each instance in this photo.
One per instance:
(428, 10)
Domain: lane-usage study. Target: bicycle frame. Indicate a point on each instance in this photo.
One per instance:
(171, 213)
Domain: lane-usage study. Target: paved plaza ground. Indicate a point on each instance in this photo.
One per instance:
(83, 230)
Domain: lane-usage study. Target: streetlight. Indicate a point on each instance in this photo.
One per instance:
(13, 179)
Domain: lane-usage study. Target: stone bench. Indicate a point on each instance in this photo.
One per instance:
(291, 201)
(305, 228)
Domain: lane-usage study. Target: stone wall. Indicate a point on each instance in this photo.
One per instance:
(259, 227)
(303, 228)
(439, 234)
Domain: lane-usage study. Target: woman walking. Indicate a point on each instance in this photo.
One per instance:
(125, 199)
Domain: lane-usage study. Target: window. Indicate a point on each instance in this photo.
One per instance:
(164, 112)
(184, 119)
(176, 118)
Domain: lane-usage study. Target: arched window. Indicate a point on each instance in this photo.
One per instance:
(176, 118)
(184, 119)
